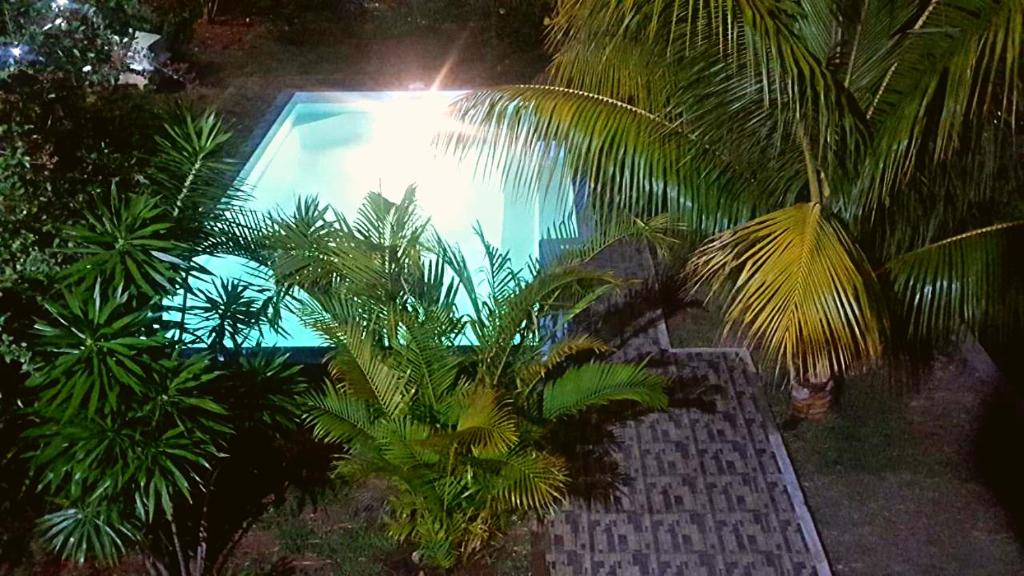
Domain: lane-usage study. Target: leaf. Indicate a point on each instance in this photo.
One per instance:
(795, 285)
(532, 372)
(631, 162)
(485, 424)
(594, 384)
(126, 242)
(339, 417)
(531, 481)
(367, 375)
(966, 282)
(76, 534)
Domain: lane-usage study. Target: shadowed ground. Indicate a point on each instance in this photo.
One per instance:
(701, 491)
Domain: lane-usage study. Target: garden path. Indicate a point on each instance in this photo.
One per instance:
(706, 492)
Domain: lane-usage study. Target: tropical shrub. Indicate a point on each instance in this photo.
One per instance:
(457, 431)
(853, 167)
(65, 133)
(82, 41)
(142, 445)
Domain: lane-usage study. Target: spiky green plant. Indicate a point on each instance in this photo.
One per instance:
(853, 165)
(133, 434)
(457, 431)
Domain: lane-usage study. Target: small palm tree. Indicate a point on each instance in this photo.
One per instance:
(458, 431)
(853, 166)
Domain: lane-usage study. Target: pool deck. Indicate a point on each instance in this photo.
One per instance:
(706, 492)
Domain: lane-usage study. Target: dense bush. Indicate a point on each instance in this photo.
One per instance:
(83, 43)
(82, 164)
(138, 445)
(854, 198)
(64, 133)
(65, 130)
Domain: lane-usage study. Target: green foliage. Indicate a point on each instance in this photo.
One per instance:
(66, 134)
(81, 41)
(131, 464)
(897, 121)
(796, 259)
(961, 283)
(375, 269)
(96, 340)
(456, 431)
(122, 244)
(132, 433)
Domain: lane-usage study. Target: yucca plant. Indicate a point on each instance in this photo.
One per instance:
(853, 166)
(457, 431)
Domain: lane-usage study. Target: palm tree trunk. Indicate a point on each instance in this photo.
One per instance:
(810, 398)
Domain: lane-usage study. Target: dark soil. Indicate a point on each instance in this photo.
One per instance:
(242, 66)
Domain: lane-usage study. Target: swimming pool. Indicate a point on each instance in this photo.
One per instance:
(342, 145)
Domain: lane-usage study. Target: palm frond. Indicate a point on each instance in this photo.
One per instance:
(622, 68)
(339, 417)
(531, 373)
(782, 45)
(531, 481)
(632, 162)
(318, 253)
(503, 279)
(559, 292)
(366, 374)
(241, 232)
(405, 442)
(78, 533)
(430, 362)
(954, 74)
(595, 384)
(486, 425)
(800, 289)
(962, 283)
(662, 233)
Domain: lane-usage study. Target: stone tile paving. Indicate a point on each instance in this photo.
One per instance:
(706, 492)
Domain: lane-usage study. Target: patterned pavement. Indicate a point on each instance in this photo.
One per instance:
(706, 492)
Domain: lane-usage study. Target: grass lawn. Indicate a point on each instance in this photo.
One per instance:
(892, 479)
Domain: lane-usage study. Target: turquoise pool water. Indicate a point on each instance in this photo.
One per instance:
(340, 146)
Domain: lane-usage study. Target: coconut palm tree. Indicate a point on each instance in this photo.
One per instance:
(457, 431)
(852, 167)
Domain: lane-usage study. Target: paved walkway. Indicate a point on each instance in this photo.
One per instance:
(706, 492)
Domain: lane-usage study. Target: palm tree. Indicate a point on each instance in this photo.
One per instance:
(457, 431)
(852, 167)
